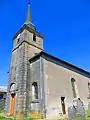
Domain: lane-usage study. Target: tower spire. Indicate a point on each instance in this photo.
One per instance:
(28, 18)
(28, 21)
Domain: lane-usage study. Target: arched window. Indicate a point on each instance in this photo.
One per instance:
(73, 87)
(34, 91)
(34, 37)
(89, 88)
(12, 88)
(18, 38)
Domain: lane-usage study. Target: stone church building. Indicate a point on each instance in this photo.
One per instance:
(39, 82)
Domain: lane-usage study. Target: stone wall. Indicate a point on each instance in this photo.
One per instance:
(2, 105)
(19, 74)
(36, 75)
(58, 84)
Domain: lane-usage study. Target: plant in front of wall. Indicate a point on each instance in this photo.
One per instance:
(79, 118)
(88, 112)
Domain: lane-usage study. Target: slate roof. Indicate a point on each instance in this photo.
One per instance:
(60, 62)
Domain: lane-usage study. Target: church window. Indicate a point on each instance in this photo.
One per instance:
(12, 88)
(15, 68)
(89, 88)
(1, 96)
(34, 38)
(34, 91)
(73, 87)
(18, 40)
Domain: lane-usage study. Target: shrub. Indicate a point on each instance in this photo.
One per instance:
(88, 112)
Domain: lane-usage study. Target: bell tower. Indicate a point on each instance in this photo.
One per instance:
(27, 42)
(29, 35)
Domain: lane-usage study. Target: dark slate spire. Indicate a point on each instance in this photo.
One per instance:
(29, 18)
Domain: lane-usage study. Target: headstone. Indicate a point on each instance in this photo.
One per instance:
(72, 113)
(77, 111)
(89, 105)
(80, 110)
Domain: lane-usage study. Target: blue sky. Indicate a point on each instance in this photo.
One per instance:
(65, 25)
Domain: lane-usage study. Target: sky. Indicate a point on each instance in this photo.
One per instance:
(65, 25)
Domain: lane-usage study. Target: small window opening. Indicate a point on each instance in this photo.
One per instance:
(15, 68)
(34, 38)
(36, 53)
(18, 40)
(63, 105)
(34, 91)
(1, 96)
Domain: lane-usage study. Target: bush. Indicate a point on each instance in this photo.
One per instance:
(88, 112)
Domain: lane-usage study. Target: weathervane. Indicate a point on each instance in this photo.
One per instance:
(28, 1)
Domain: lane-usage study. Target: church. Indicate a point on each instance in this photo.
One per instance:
(39, 82)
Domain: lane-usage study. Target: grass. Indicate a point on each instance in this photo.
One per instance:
(3, 118)
(78, 118)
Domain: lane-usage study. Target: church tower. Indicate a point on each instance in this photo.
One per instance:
(27, 42)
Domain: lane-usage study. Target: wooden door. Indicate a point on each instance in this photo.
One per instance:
(12, 105)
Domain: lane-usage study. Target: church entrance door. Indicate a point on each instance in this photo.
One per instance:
(63, 105)
(12, 105)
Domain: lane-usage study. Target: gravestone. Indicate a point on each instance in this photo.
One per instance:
(89, 105)
(77, 111)
(72, 113)
(80, 110)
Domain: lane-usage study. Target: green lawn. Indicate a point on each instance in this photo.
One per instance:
(78, 118)
(3, 118)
